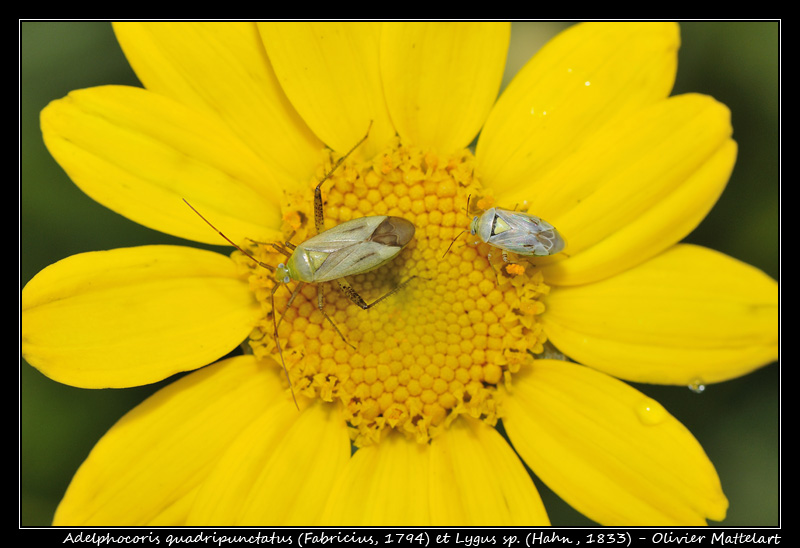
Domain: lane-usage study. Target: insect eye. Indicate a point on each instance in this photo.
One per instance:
(282, 274)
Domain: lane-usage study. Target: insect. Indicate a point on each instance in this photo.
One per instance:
(515, 231)
(353, 247)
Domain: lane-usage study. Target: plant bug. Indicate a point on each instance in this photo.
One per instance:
(515, 231)
(353, 247)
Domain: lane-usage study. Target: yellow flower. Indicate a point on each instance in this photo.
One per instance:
(235, 119)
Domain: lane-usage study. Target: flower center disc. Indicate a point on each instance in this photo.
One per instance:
(437, 348)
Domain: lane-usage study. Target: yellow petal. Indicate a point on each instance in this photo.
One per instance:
(223, 70)
(278, 471)
(662, 225)
(133, 316)
(690, 315)
(147, 468)
(634, 189)
(467, 476)
(383, 485)
(139, 154)
(608, 450)
(441, 79)
(589, 75)
(478, 480)
(331, 73)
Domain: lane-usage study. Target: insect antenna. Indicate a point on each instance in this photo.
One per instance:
(218, 231)
(277, 340)
(460, 233)
(451, 243)
(272, 295)
(289, 303)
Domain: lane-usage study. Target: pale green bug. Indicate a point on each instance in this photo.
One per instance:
(515, 231)
(353, 247)
(520, 233)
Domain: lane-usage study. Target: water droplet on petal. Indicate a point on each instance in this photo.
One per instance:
(650, 412)
(697, 386)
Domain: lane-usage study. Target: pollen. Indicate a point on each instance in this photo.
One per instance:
(439, 346)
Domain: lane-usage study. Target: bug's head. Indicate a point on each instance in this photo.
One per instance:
(282, 274)
(473, 226)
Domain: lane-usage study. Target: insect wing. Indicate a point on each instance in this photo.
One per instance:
(349, 233)
(354, 260)
(524, 234)
(349, 248)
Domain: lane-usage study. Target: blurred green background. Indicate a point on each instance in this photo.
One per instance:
(737, 422)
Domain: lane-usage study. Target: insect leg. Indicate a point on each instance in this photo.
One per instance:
(319, 219)
(489, 259)
(356, 299)
(280, 248)
(321, 306)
